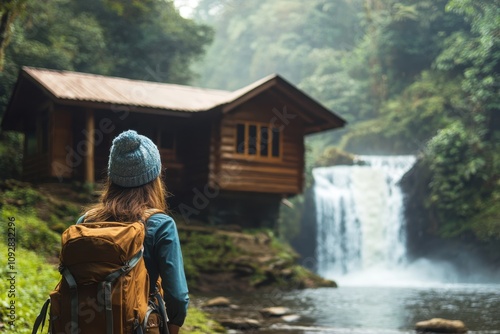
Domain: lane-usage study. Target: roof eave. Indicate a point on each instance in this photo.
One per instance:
(10, 122)
(118, 107)
(333, 121)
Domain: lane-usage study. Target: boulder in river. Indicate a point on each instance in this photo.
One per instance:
(277, 311)
(218, 302)
(290, 317)
(439, 325)
(240, 323)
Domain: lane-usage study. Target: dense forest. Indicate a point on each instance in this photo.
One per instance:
(410, 77)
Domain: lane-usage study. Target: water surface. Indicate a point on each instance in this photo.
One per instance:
(378, 310)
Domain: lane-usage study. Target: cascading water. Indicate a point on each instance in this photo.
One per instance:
(359, 215)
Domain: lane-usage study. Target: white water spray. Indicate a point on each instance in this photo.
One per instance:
(359, 213)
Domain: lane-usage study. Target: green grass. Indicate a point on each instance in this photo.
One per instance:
(197, 322)
(205, 252)
(31, 232)
(34, 279)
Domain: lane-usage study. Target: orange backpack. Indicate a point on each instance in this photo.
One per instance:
(105, 285)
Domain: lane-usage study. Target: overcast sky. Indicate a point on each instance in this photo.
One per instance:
(186, 7)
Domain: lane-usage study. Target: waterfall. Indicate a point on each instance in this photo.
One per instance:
(359, 215)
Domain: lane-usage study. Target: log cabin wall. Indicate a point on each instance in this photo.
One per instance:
(38, 130)
(61, 139)
(214, 163)
(164, 131)
(183, 145)
(193, 142)
(245, 209)
(253, 173)
(71, 140)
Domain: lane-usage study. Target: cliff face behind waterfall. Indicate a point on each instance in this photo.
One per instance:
(474, 246)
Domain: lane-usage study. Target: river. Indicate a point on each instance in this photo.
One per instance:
(379, 309)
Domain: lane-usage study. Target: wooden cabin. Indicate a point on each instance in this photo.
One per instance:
(227, 154)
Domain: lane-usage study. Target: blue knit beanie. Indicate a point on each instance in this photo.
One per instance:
(134, 160)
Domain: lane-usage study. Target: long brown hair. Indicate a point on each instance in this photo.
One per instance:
(128, 204)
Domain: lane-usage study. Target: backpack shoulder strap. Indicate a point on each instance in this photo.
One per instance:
(150, 212)
(40, 319)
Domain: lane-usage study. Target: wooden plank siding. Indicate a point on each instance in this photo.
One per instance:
(36, 167)
(214, 154)
(252, 173)
(62, 137)
(36, 164)
(194, 151)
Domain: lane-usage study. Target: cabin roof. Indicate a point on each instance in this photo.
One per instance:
(98, 88)
(74, 88)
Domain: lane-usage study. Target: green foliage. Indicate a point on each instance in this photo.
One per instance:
(22, 196)
(35, 278)
(476, 53)
(409, 120)
(463, 176)
(11, 149)
(9, 10)
(56, 214)
(256, 39)
(290, 218)
(158, 44)
(412, 37)
(204, 251)
(334, 156)
(32, 233)
(197, 322)
(486, 224)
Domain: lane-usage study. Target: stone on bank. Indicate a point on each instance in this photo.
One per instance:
(439, 325)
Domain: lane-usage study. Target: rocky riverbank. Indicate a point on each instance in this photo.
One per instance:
(246, 317)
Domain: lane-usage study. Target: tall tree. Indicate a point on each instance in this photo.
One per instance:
(475, 54)
(148, 40)
(256, 39)
(9, 10)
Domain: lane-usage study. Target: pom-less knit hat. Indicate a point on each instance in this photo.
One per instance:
(134, 160)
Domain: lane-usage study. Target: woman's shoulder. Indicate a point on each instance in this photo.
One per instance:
(160, 219)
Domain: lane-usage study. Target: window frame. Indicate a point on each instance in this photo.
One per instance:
(258, 146)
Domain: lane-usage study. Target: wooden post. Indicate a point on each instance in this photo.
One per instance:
(89, 156)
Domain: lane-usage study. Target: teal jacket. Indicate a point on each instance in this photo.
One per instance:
(163, 258)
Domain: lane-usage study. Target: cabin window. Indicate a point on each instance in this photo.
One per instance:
(240, 138)
(258, 140)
